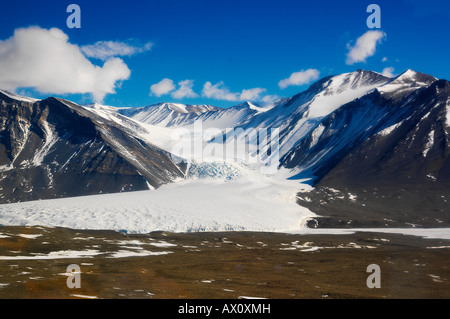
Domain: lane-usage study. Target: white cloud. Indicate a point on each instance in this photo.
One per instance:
(251, 94)
(270, 98)
(389, 72)
(105, 50)
(384, 59)
(300, 78)
(184, 90)
(219, 91)
(165, 86)
(45, 60)
(365, 46)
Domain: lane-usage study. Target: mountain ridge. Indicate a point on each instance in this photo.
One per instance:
(322, 132)
(55, 148)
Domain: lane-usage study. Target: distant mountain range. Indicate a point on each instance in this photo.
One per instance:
(354, 131)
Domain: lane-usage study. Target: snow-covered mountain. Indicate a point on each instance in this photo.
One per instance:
(320, 128)
(412, 146)
(56, 148)
(302, 114)
(382, 160)
(180, 115)
(166, 114)
(370, 117)
(345, 129)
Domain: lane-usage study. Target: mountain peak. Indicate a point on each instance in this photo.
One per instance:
(178, 108)
(410, 76)
(258, 107)
(353, 80)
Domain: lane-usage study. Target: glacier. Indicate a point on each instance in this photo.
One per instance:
(250, 201)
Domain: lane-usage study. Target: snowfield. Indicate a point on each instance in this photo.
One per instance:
(247, 202)
(217, 197)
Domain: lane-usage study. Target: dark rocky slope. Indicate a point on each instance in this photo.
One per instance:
(55, 148)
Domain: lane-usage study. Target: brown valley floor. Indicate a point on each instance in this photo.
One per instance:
(34, 260)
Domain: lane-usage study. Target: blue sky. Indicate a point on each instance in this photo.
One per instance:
(211, 52)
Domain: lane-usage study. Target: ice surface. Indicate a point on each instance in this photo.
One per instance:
(251, 202)
(434, 233)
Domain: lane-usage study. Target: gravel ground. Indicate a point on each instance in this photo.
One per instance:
(232, 265)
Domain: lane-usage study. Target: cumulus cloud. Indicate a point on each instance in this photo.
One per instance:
(270, 98)
(165, 86)
(251, 94)
(219, 91)
(389, 72)
(105, 50)
(300, 78)
(184, 90)
(45, 60)
(365, 46)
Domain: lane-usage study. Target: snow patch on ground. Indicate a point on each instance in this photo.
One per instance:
(141, 253)
(84, 296)
(64, 254)
(29, 236)
(433, 233)
(163, 244)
